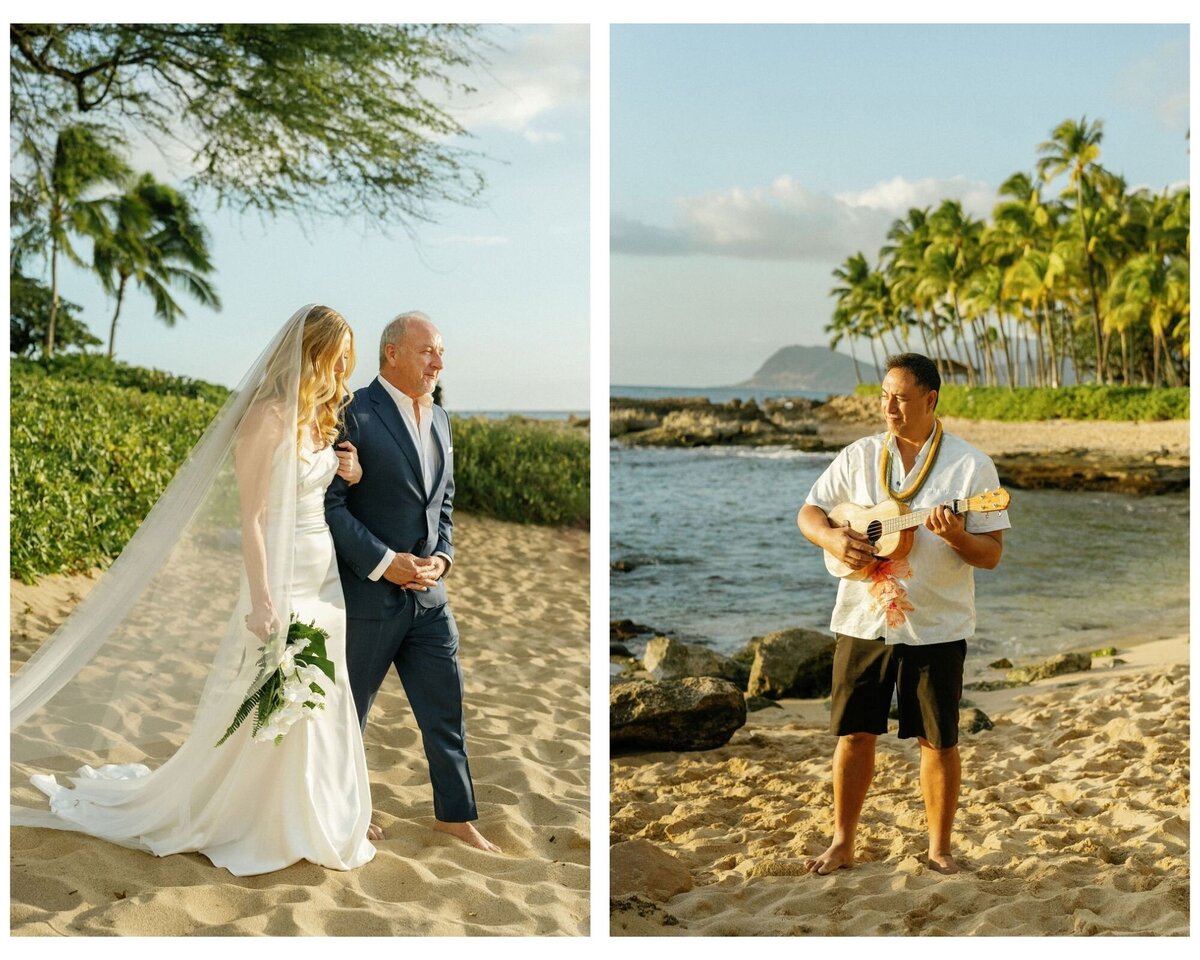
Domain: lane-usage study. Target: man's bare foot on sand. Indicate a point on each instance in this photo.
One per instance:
(942, 863)
(374, 832)
(837, 857)
(467, 833)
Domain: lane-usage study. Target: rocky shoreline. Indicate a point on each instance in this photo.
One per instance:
(1142, 459)
(682, 697)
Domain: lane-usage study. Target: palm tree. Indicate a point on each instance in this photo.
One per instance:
(854, 275)
(842, 326)
(1151, 289)
(64, 187)
(903, 258)
(157, 242)
(1074, 147)
(1031, 280)
(949, 260)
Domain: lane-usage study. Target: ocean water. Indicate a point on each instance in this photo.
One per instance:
(532, 414)
(720, 559)
(715, 394)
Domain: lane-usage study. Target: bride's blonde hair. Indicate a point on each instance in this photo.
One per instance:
(323, 391)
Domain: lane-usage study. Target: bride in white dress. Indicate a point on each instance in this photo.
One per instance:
(154, 663)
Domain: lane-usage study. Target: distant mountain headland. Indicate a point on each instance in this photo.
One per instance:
(810, 368)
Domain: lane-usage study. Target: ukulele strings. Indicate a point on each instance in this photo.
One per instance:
(914, 519)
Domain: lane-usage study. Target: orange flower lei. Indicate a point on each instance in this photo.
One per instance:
(890, 596)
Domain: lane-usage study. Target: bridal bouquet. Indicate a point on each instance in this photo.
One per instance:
(294, 666)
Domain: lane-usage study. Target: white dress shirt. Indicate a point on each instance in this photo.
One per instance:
(427, 451)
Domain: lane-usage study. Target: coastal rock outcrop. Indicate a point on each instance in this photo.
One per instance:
(695, 713)
(697, 422)
(640, 867)
(1086, 470)
(669, 659)
(791, 663)
(1063, 663)
(620, 630)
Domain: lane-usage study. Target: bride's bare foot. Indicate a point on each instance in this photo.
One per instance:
(837, 857)
(467, 833)
(374, 832)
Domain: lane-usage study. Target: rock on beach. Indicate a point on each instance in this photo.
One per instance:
(695, 713)
(791, 663)
(1063, 663)
(669, 659)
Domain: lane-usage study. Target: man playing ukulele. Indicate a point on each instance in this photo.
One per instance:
(903, 626)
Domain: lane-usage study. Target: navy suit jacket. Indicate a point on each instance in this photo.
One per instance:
(388, 508)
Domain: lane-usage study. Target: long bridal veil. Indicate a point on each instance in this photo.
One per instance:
(161, 638)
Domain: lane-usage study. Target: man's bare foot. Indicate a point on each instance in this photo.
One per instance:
(374, 832)
(942, 863)
(837, 857)
(467, 833)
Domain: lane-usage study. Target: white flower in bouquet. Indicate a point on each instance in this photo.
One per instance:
(288, 688)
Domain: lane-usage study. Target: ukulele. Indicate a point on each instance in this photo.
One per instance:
(890, 526)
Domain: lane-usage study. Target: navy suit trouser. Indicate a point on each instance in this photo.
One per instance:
(422, 644)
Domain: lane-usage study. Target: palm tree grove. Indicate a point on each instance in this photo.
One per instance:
(1076, 279)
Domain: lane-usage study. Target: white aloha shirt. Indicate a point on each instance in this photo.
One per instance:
(939, 586)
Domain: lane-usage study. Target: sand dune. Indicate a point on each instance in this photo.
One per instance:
(1074, 820)
(520, 596)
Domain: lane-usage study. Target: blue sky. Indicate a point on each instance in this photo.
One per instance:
(506, 283)
(748, 161)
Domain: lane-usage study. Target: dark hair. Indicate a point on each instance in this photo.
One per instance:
(923, 370)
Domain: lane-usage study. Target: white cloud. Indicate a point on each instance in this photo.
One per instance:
(899, 195)
(786, 221)
(1158, 82)
(536, 74)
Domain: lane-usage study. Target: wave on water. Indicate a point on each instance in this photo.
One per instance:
(768, 453)
(736, 453)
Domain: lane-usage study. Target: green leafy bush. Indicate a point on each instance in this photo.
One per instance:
(1085, 402)
(89, 459)
(94, 368)
(522, 471)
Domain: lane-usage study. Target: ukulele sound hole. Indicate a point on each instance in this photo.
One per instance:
(874, 531)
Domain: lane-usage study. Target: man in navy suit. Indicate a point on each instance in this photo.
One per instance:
(393, 531)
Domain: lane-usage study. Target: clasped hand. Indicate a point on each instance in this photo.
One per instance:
(348, 465)
(415, 573)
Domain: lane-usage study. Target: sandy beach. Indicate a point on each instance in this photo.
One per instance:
(524, 651)
(1074, 816)
(1155, 438)
(1074, 819)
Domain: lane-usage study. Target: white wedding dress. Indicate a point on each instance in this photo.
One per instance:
(250, 807)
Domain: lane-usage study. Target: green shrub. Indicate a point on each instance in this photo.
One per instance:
(1086, 402)
(89, 459)
(93, 368)
(521, 471)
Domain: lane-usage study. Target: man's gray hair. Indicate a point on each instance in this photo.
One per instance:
(394, 332)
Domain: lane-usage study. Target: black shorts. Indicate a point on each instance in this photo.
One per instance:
(927, 680)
